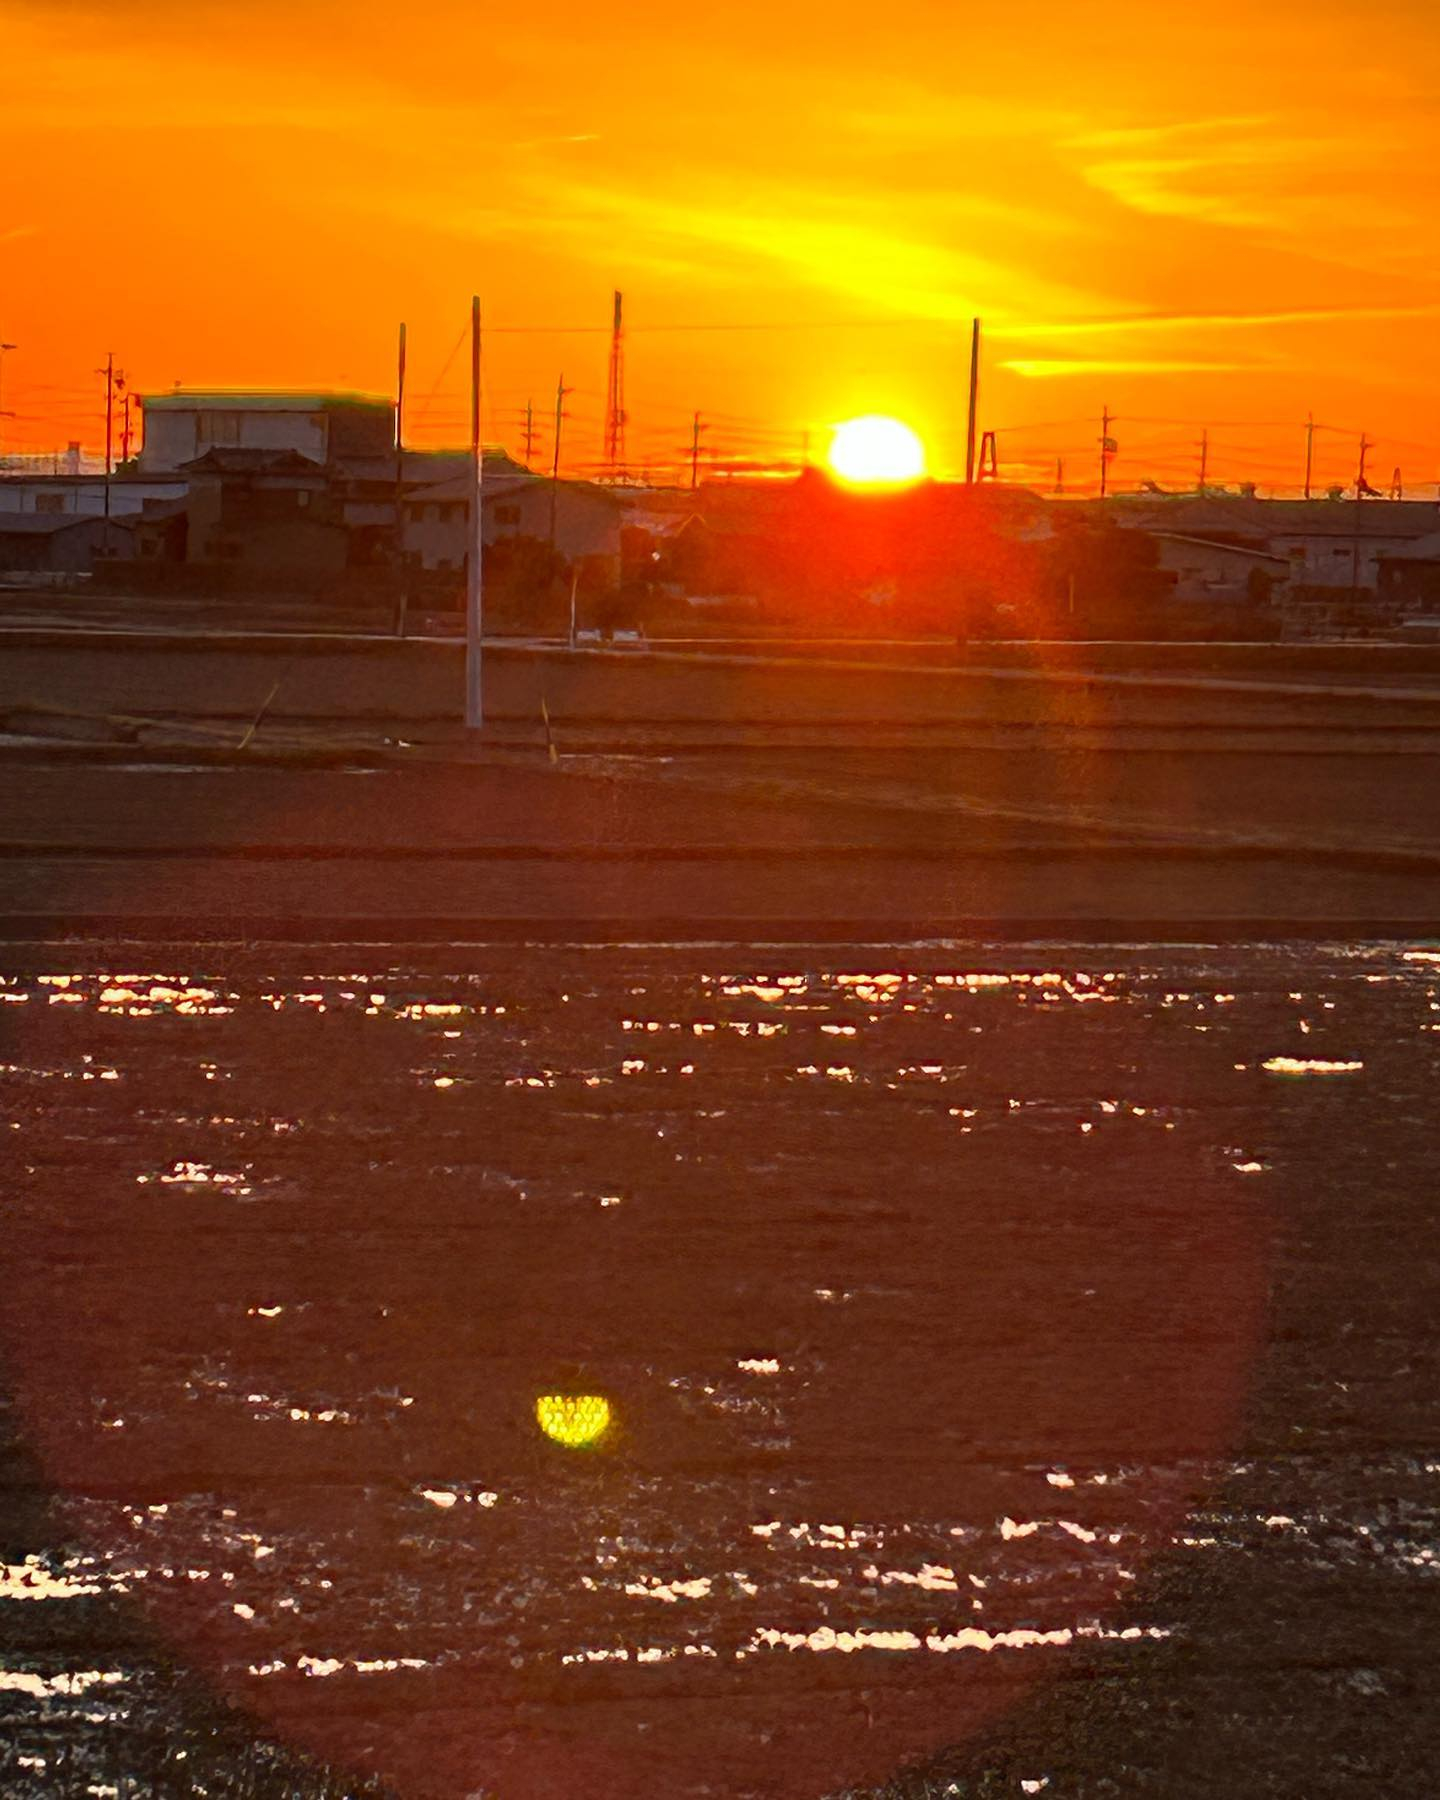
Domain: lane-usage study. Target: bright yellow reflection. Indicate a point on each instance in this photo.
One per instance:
(574, 1420)
(876, 449)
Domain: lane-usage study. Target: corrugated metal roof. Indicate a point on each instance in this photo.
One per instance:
(1203, 543)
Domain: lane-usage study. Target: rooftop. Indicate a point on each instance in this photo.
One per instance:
(47, 524)
(238, 459)
(95, 479)
(1204, 543)
(502, 475)
(1212, 515)
(261, 400)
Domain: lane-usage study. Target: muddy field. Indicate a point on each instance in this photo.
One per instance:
(310, 787)
(1021, 1372)
(421, 681)
(775, 844)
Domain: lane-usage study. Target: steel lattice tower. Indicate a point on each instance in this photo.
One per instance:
(615, 395)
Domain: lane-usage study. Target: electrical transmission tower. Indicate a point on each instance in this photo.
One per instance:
(695, 431)
(615, 395)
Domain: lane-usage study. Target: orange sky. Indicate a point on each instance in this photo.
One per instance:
(1194, 215)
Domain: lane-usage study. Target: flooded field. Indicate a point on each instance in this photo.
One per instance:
(720, 1372)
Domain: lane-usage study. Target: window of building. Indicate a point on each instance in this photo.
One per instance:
(50, 503)
(507, 515)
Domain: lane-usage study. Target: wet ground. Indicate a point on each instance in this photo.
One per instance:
(313, 788)
(1020, 1368)
(839, 845)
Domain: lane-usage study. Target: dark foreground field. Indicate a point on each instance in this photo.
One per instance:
(323, 788)
(1021, 1376)
(1021, 1361)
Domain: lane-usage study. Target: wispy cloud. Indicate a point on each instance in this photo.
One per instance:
(1042, 368)
(848, 245)
(1245, 170)
(1128, 324)
(569, 137)
(1138, 137)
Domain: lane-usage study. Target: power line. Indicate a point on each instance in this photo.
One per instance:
(444, 371)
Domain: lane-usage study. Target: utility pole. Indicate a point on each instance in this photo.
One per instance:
(111, 378)
(1059, 475)
(560, 392)
(1204, 457)
(1106, 451)
(125, 429)
(695, 430)
(400, 596)
(3, 414)
(1309, 450)
(529, 432)
(1362, 487)
(474, 695)
(974, 400)
(109, 373)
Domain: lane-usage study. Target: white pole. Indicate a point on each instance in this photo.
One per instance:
(474, 702)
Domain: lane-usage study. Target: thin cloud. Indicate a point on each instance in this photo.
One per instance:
(1043, 368)
(1139, 136)
(1234, 321)
(1249, 171)
(827, 242)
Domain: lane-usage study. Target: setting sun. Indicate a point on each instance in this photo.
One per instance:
(876, 449)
